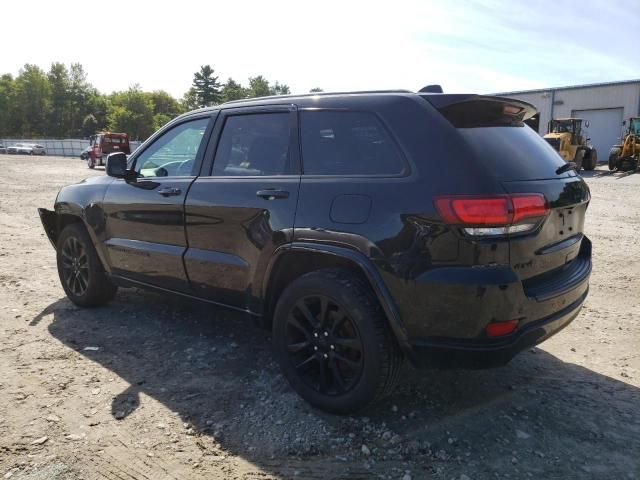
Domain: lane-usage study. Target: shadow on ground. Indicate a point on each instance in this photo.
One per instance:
(539, 416)
(606, 173)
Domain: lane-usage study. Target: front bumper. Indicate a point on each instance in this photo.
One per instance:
(49, 222)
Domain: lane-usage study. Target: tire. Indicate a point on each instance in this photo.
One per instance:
(579, 159)
(614, 157)
(80, 270)
(91, 163)
(592, 160)
(353, 346)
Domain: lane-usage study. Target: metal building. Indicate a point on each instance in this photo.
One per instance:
(604, 105)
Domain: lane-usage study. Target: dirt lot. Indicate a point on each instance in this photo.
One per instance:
(151, 387)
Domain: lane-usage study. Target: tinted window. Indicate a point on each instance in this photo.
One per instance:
(256, 144)
(347, 143)
(513, 153)
(174, 153)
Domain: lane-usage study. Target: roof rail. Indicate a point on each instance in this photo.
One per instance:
(321, 94)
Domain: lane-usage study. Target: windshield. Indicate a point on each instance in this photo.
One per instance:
(634, 126)
(562, 127)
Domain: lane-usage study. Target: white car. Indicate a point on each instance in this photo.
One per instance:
(26, 149)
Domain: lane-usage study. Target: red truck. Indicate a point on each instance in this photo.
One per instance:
(104, 143)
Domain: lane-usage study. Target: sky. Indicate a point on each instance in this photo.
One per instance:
(483, 46)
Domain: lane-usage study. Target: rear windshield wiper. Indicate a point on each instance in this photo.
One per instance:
(566, 167)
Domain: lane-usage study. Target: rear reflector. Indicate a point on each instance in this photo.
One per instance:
(495, 214)
(498, 329)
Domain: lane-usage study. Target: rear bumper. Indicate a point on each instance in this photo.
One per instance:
(487, 353)
(448, 310)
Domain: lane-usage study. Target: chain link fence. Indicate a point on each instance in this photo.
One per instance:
(68, 147)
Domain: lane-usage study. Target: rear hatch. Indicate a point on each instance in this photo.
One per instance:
(555, 255)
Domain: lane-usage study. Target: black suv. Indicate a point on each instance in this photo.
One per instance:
(361, 228)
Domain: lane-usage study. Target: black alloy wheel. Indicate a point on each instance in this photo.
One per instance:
(75, 266)
(333, 341)
(81, 272)
(324, 345)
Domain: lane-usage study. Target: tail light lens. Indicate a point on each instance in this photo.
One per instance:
(498, 329)
(493, 215)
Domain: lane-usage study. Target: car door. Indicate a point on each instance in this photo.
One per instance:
(244, 209)
(145, 234)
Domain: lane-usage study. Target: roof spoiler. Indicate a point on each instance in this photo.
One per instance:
(470, 110)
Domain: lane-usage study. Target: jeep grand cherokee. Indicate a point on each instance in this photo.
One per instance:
(361, 228)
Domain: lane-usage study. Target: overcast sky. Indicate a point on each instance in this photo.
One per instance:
(473, 46)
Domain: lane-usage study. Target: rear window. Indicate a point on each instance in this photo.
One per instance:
(513, 153)
(347, 143)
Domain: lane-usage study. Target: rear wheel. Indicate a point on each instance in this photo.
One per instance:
(591, 161)
(333, 343)
(80, 270)
(614, 157)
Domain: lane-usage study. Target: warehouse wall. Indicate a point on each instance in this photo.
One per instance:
(588, 98)
(615, 95)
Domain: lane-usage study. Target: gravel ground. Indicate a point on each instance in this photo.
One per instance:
(151, 387)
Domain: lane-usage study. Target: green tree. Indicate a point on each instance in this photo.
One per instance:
(98, 106)
(131, 112)
(232, 90)
(32, 99)
(6, 104)
(280, 89)
(316, 90)
(206, 87)
(189, 100)
(80, 92)
(258, 87)
(89, 125)
(165, 104)
(59, 115)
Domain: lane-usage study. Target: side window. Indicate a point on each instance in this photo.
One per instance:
(254, 145)
(347, 143)
(173, 154)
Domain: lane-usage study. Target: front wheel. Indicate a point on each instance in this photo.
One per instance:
(80, 270)
(614, 157)
(333, 342)
(91, 163)
(579, 159)
(591, 161)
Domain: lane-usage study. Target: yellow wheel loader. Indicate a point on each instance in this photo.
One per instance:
(566, 137)
(626, 157)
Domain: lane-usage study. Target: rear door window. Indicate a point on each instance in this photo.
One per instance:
(347, 143)
(254, 145)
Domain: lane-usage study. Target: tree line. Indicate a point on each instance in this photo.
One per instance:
(61, 103)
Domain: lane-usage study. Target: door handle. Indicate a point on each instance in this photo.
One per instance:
(169, 191)
(272, 194)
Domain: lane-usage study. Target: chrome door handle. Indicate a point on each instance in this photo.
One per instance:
(272, 194)
(169, 191)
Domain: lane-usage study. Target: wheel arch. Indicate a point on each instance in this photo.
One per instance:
(56, 221)
(292, 261)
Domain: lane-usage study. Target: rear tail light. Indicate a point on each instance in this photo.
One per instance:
(498, 329)
(493, 215)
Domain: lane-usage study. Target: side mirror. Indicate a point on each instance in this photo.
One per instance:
(586, 124)
(117, 165)
(624, 122)
(588, 138)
